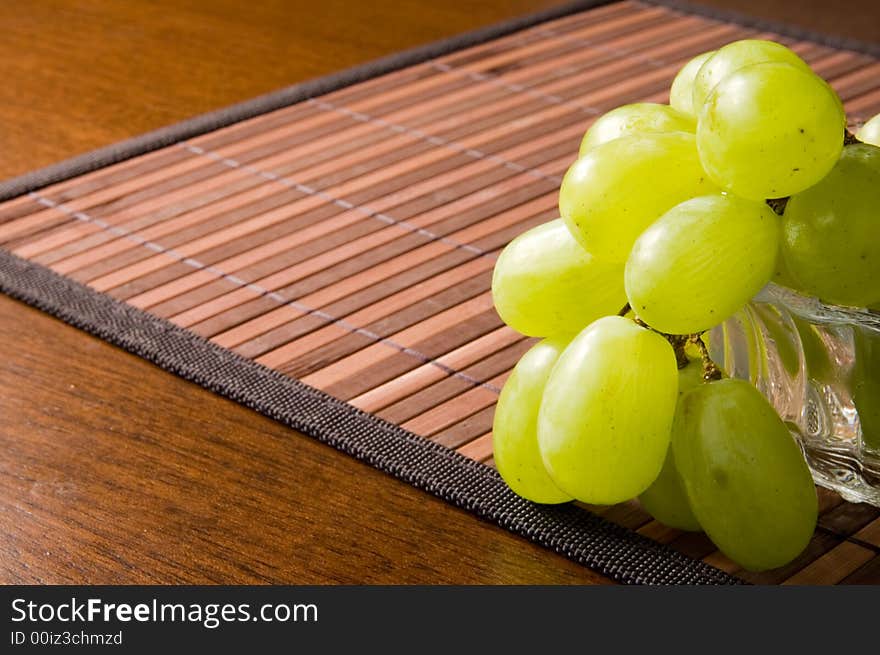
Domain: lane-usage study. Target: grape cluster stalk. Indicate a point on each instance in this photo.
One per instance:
(680, 214)
(679, 343)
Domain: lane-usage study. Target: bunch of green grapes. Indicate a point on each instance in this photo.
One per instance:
(672, 219)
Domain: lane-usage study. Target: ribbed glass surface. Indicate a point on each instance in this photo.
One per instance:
(819, 365)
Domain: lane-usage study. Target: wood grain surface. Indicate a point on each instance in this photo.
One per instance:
(99, 486)
(79, 74)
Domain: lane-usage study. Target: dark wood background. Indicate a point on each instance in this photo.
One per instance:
(112, 471)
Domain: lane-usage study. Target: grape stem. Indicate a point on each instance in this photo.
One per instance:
(777, 205)
(711, 370)
(677, 341)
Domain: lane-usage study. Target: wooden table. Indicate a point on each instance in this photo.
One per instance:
(112, 471)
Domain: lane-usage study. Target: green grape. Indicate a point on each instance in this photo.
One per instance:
(831, 232)
(700, 262)
(611, 194)
(692, 374)
(769, 131)
(514, 431)
(745, 477)
(638, 118)
(870, 132)
(866, 386)
(735, 56)
(665, 499)
(681, 95)
(781, 275)
(545, 283)
(605, 418)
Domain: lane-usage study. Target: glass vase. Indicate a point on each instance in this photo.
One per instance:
(819, 365)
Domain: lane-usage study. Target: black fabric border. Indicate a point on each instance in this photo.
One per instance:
(583, 537)
(612, 550)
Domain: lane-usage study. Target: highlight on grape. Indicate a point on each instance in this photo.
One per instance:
(672, 218)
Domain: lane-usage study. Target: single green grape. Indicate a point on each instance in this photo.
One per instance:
(770, 130)
(545, 283)
(638, 118)
(781, 275)
(870, 132)
(866, 386)
(616, 190)
(700, 262)
(831, 232)
(745, 477)
(681, 95)
(734, 56)
(666, 499)
(605, 418)
(514, 431)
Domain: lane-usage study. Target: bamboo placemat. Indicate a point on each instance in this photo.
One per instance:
(348, 240)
